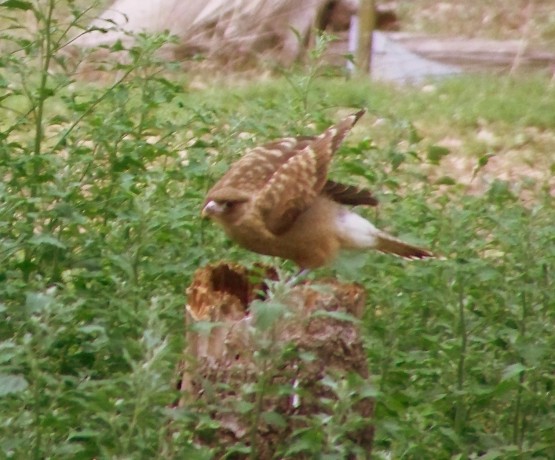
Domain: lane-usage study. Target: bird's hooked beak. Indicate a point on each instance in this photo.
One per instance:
(212, 208)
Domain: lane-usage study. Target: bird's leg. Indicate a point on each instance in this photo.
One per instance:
(295, 278)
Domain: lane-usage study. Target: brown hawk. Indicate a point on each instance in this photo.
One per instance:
(277, 200)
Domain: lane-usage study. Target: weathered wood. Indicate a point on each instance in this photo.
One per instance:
(473, 51)
(280, 367)
(366, 23)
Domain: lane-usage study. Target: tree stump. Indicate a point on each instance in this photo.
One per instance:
(280, 371)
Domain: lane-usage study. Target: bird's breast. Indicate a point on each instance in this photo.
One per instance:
(311, 241)
(251, 234)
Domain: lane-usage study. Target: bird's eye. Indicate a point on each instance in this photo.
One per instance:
(227, 205)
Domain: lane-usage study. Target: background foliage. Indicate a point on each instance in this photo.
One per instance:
(100, 234)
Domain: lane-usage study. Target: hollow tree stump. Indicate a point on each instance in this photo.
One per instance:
(280, 371)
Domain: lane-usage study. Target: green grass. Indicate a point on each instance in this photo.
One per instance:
(100, 235)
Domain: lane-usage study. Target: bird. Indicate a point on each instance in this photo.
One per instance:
(277, 200)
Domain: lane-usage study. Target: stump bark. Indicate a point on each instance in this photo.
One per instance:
(281, 371)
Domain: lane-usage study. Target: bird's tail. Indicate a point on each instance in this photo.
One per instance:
(356, 232)
(391, 245)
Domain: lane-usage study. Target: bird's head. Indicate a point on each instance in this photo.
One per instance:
(225, 205)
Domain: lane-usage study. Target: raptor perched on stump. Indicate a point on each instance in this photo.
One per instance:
(277, 200)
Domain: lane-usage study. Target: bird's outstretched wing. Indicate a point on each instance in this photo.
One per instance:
(252, 171)
(282, 178)
(349, 194)
(301, 178)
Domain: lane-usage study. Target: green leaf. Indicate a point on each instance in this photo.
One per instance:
(275, 419)
(445, 180)
(349, 264)
(512, 371)
(235, 449)
(484, 160)
(17, 5)
(436, 153)
(502, 452)
(10, 384)
(244, 407)
(493, 454)
(338, 315)
(47, 240)
(414, 135)
(204, 327)
(82, 435)
(93, 329)
(396, 159)
(8, 350)
(267, 313)
(307, 441)
(38, 301)
(368, 391)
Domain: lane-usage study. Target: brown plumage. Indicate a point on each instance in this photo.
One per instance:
(277, 200)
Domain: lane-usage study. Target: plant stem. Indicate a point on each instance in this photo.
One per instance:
(46, 57)
(45, 38)
(518, 420)
(460, 412)
(260, 390)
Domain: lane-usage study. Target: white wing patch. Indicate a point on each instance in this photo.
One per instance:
(355, 231)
